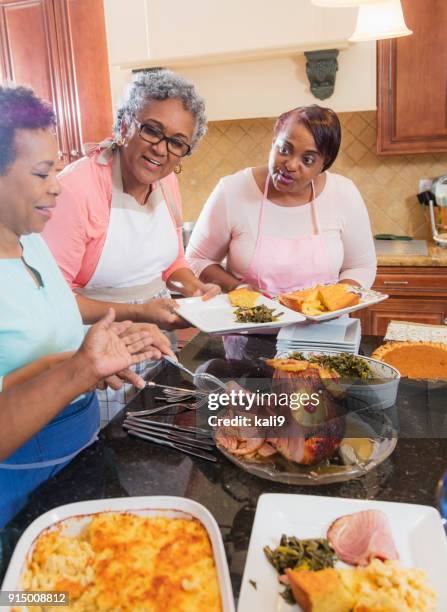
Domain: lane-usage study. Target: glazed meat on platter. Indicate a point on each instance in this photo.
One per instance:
(313, 417)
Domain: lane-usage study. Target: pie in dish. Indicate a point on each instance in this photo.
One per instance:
(320, 299)
(425, 360)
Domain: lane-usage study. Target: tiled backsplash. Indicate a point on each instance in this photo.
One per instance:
(388, 184)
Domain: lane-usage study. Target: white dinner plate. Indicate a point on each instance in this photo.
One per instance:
(216, 316)
(368, 297)
(417, 532)
(75, 517)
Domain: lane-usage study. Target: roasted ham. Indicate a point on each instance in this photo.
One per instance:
(240, 440)
(291, 447)
(311, 432)
(314, 431)
(361, 537)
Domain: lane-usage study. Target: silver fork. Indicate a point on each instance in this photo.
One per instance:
(170, 399)
(192, 406)
(173, 390)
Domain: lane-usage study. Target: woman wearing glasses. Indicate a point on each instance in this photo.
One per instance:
(116, 231)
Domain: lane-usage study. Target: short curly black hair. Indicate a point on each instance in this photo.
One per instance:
(322, 123)
(20, 108)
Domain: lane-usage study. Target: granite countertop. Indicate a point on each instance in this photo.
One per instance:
(120, 466)
(437, 258)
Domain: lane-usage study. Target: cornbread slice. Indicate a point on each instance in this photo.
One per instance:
(379, 587)
(296, 299)
(312, 307)
(339, 296)
(243, 297)
(321, 591)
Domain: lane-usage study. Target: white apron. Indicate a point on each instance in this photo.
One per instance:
(141, 242)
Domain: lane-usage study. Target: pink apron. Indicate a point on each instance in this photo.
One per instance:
(280, 265)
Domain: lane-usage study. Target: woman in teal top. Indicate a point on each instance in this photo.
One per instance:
(40, 324)
(39, 316)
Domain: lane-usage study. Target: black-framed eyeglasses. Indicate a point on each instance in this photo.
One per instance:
(151, 133)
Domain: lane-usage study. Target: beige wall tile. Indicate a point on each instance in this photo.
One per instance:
(388, 183)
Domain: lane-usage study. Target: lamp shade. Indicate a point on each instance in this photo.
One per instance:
(383, 19)
(342, 3)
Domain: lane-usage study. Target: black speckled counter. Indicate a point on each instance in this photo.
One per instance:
(120, 466)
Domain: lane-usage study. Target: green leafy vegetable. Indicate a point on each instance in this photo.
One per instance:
(257, 314)
(292, 553)
(345, 364)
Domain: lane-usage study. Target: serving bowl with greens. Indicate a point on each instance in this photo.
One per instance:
(367, 382)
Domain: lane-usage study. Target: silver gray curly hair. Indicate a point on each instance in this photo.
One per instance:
(161, 84)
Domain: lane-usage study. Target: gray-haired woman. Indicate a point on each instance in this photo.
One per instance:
(116, 230)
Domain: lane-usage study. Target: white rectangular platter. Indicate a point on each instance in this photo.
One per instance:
(417, 532)
(216, 316)
(148, 506)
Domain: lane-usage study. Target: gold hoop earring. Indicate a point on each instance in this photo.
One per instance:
(121, 141)
(178, 169)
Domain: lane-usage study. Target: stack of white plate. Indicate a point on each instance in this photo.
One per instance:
(335, 336)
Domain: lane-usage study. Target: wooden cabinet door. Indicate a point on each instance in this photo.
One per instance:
(29, 54)
(28, 39)
(412, 83)
(84, 47)
(375, 319)
(59, 48)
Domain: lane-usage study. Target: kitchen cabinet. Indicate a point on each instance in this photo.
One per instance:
(412, 81)
(59, 48)
(416, 294)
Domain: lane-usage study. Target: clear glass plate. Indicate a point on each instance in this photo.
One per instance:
(373, 427)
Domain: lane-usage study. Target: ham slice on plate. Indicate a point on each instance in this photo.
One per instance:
(361, 537)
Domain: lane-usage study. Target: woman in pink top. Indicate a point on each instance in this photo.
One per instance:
(116, 232)
(289, 224)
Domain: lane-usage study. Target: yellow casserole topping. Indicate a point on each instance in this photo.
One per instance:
(128, 562)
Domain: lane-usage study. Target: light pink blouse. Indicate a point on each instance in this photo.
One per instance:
(228, 226)
(77, 230)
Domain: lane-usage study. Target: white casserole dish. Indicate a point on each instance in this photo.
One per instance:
(148, 506)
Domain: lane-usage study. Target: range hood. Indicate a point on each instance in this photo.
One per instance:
(246, 58)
